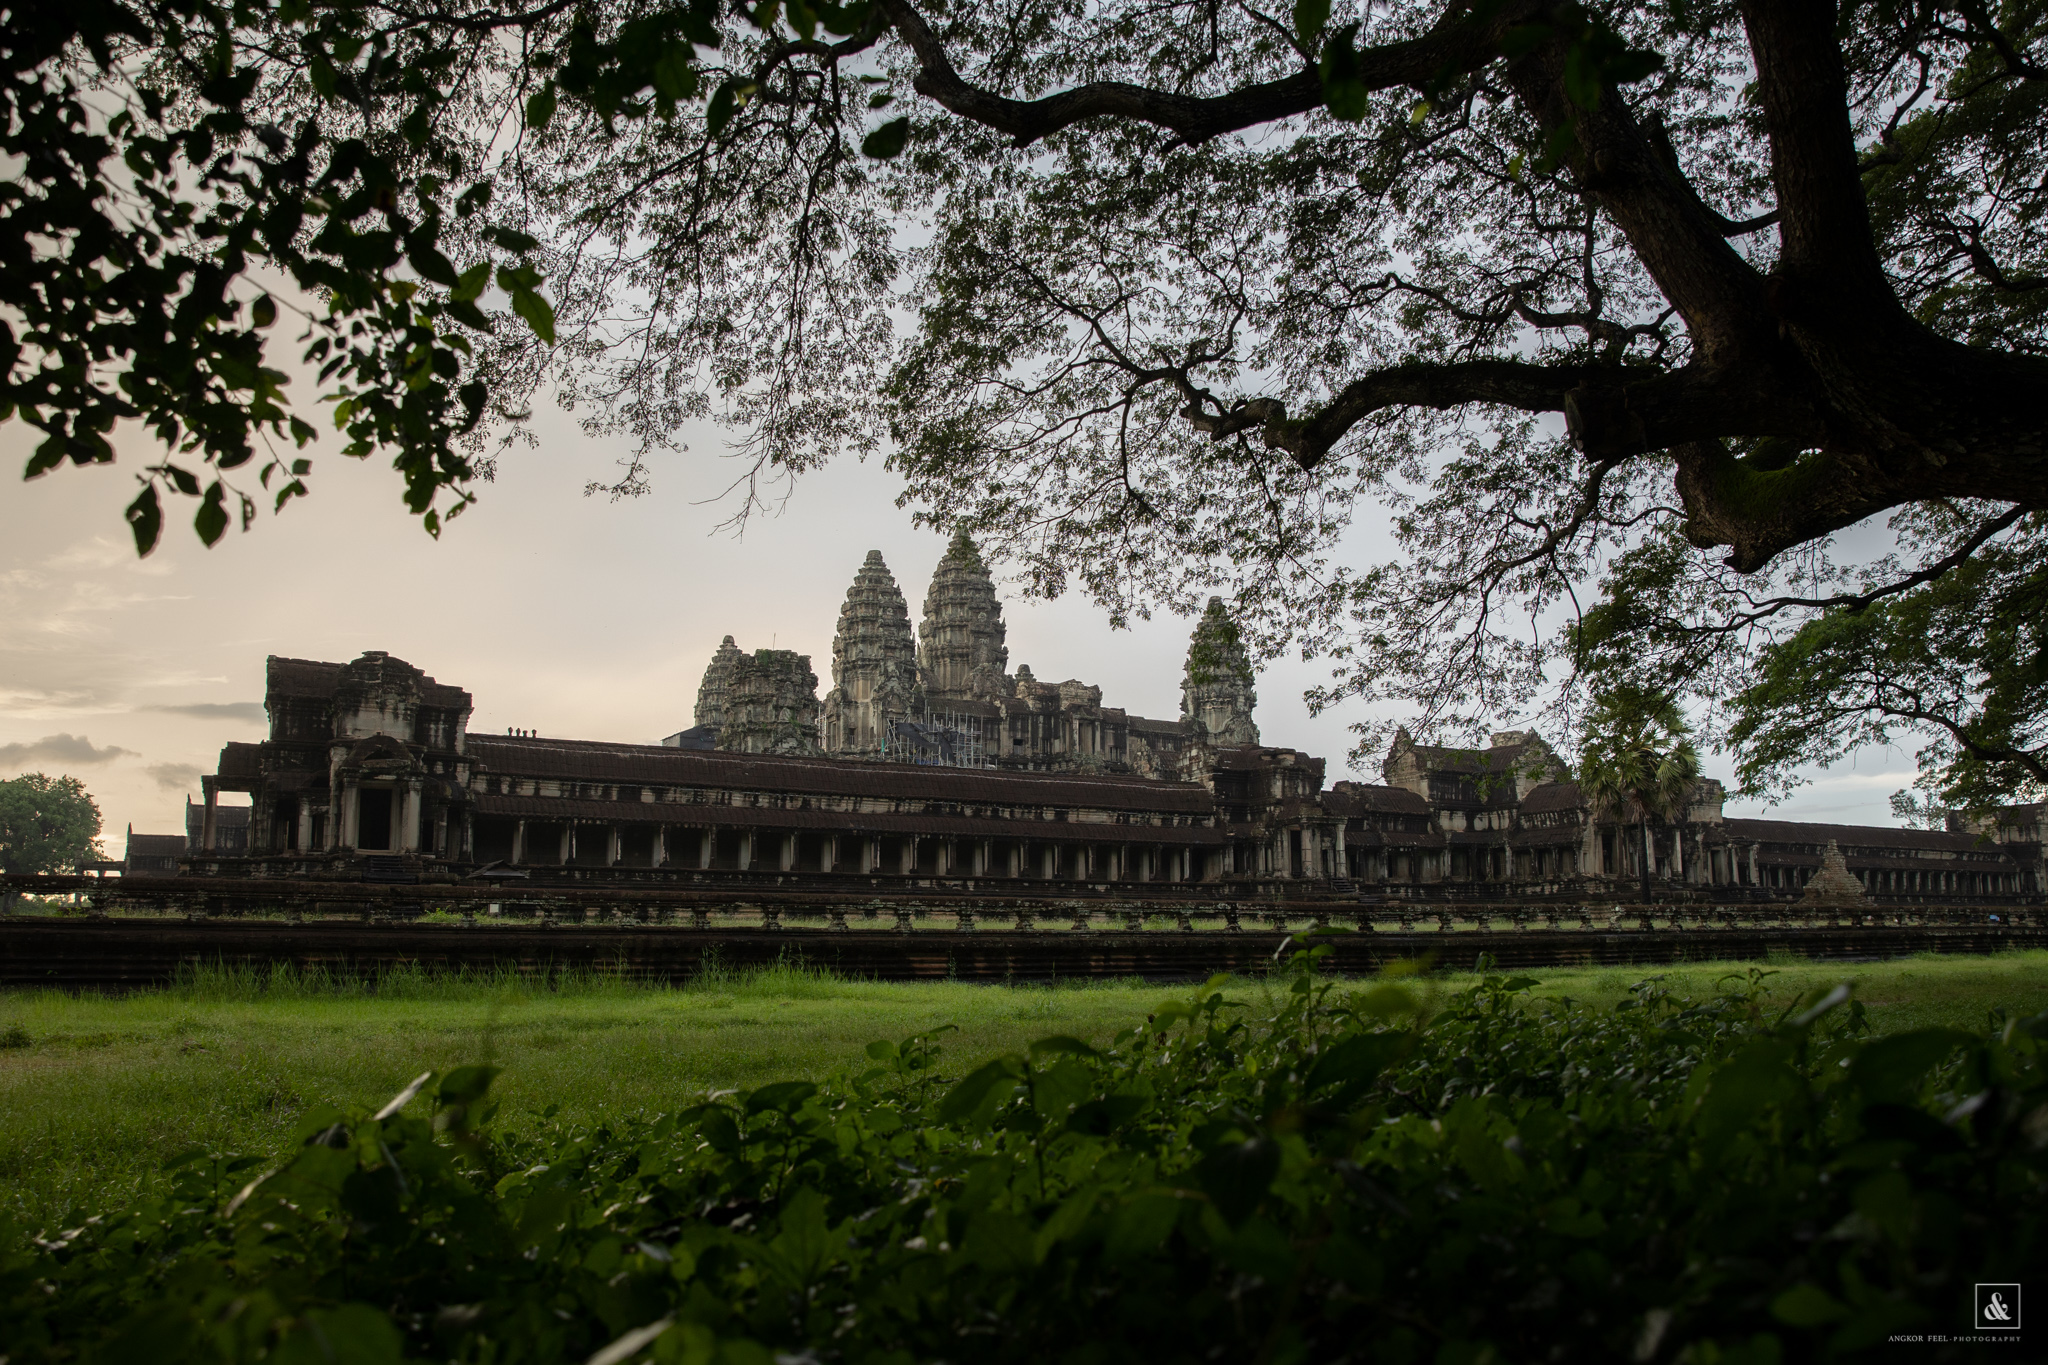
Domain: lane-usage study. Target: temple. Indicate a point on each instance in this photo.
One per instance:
(929, 762)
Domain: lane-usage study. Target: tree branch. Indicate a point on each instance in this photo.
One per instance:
(1825, 223)
(1457, 43)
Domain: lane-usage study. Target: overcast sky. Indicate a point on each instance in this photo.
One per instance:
(568, 615)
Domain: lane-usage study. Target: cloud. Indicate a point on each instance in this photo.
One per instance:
(175, 776)
(251, 711)
(59, 749)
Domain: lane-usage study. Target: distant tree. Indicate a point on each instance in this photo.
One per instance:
(1639, 762)
(1918, 813)
(47, 824)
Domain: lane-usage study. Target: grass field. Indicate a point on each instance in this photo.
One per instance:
(96, 1092)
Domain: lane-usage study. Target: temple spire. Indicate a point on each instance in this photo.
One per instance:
(961, 648)
(1216, 696)
(717, 684)
(874, 665)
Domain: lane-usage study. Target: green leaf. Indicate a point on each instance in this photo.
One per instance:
(1355, 1061)
(716, 1126)
(1750, 1082)
(966, 1097)
(353, 1334)
(888, 140)
(782, 1096)
(1808, 1305)
(1309, 18)
(721, 109)
(263, 312)
(1139, 1226)
(1344, 92)
(146, 519)
(1237, 1175)
(539, 314)
(469, 315)
(540, 106)
(1890, 1069)
(1060, 1043)
(472, 282)
(1000, 1242)
(211, 521)
(467, 1084)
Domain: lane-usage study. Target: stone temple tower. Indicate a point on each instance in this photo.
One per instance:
(771, 706)
(1216, 696)
(712, 692)
(874, 665)
(960, 641)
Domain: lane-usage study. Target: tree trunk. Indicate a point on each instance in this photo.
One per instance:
(1649, 856)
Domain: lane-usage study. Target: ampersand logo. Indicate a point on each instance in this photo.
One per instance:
(1998, 1308)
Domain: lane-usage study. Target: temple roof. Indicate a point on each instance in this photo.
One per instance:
(593, 761)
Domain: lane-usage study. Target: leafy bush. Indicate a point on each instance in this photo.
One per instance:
(1369, 1173)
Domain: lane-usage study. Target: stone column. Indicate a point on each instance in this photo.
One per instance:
(468, 835)
(345, 818)
(409, 817)
(870, 855)
(984, 857)
(614, 844)
(209, 820)
(707, 844)
(788, 852)
(657, 854)
(568, 846)
(828, 858)
(518, 841)
(305, 841)
(908, 867)
(746, 850)
(1340, 859)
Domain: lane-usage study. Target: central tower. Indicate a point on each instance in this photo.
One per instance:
(960, 641)
(874, 665)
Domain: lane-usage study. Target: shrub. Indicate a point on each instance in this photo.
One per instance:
(1364, 1173)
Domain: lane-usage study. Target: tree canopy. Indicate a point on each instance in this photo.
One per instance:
(47, 824)
(1639, 763)
(1679, 339)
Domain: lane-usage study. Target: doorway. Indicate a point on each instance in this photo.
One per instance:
(373, 818)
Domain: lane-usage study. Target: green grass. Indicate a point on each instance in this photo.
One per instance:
(95, 1092)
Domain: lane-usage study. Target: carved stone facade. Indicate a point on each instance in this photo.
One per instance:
(370, 773)
(874, 666)
(717, 684)
(960, 649)
(771, 706)
(1216, 696)
(945, 696)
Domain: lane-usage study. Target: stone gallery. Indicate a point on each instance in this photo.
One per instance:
(930, 763)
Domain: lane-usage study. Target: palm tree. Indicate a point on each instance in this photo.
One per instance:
(1639, 761)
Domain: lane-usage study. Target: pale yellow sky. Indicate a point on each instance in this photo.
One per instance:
(563, 614)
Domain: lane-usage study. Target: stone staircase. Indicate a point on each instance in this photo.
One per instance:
(390, 869)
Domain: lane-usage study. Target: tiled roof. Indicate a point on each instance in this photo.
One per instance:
(301, 677)
(697, 816)
(1443, 759)
(591, 761)
(1358, 798)
(1850, 836)
(314, 678)
(240, 760)
(156, 846)
(1553, 796)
